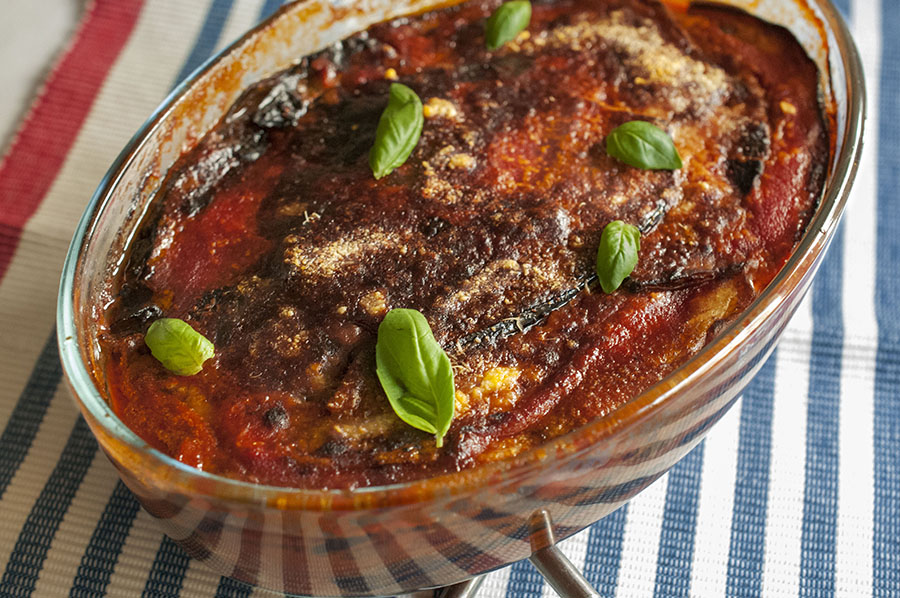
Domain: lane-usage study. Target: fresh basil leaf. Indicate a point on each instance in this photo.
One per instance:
(508, 21)
(618, 254)
(399, 130)
(415, 372)
(643, 145)
(180, 348)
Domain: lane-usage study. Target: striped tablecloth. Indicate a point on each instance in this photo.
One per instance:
(795, 492)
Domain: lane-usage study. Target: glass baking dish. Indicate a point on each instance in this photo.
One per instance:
(441, 531)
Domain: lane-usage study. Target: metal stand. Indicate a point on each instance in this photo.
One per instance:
(549, 560)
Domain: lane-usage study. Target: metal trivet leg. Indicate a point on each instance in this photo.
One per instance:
(466, 589)
(558, 570)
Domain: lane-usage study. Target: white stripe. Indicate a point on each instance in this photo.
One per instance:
(244, 15)
(271, 554)
(25, 319)
(76, 528)
(227, 549)
(709, 572)
(133, 568)
(496, 583)
(784, 520)
(640, 544)
(33, 33)
(199, 580)
(853, 562)
(29, 480)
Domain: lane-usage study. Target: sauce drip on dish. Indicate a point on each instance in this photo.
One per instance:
(273, 239)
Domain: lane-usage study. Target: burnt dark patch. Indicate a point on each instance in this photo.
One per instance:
(340, 52)
(135, 322)
(134, 295)
(744, 174)
(284, 105)
(754, 141)
(276, 418)
(434, 226)
(213, 300)
(332, 448)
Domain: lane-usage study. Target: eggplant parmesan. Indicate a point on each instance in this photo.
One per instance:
(273, 239)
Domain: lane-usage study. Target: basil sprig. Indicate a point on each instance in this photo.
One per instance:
(618, 254)
(506, 23)
(399, 130)
(415, 372)
(180, 348)
(643, 145)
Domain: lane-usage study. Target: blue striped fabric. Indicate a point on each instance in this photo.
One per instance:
(167, 574)
(99, 561)
(676, 543)
(821, 493)
(31, 548)
(886, 566)
(29, 411)
(524, 581)
(604, 552)
(230, 588)
(268, 7)
(748, 520)
(105, 546)
(208, 39)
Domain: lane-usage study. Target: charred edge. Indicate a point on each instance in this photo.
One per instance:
(679, 282)
(653, 219)
(284, 105)
(221, 162)
(536, 315)
(136, 321)
(291, 97)
(526, 320)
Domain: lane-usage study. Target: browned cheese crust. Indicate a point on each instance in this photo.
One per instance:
(274, 239)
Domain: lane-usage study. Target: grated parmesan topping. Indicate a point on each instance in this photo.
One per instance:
(329, 259)
(690, 83)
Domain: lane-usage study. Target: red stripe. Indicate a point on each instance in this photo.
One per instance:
(40, 148)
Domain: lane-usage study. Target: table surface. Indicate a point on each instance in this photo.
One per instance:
(795, 492)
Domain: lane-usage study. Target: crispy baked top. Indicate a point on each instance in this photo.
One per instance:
(273, 238)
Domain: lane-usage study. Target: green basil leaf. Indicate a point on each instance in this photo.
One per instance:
(643, 145)
(508, 21)
(180, 348)
(415, 372)
(399, 130)
(618, 254)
